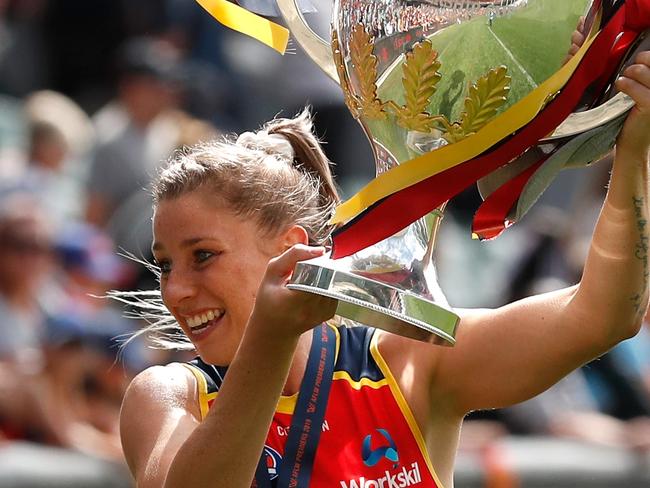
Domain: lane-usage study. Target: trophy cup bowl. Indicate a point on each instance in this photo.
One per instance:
(420, 75)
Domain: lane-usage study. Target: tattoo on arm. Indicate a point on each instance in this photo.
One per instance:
(641, 252)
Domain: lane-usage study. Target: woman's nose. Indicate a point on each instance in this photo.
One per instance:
(178, 287)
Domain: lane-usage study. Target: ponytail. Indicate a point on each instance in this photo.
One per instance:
(308, 152)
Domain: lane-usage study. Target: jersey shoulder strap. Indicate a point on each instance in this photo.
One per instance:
(354, 356)
(209, 379)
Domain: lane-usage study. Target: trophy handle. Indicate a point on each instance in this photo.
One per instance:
(317, 48)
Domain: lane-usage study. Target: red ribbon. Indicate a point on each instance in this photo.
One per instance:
(398, 210)
(638, 15)
(490, 219)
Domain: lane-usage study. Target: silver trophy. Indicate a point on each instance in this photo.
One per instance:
(409, 69)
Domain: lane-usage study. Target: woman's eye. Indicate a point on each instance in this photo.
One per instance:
(201, 256)
(164, 266)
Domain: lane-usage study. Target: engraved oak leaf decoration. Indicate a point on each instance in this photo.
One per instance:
(351, 101)
(364, 63)
(420, 77)
(485, 97)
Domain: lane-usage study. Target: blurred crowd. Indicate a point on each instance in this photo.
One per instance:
(94, 96)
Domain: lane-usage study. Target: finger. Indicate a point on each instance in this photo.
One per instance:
(638, 92)
(643, 58)
(639, 73)
(577, 38)
(581, 23)
(283, 265)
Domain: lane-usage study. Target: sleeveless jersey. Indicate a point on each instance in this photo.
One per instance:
(369, 436)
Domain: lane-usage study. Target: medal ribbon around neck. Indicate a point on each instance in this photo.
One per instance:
(307, 420)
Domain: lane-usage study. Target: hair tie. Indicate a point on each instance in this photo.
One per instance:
(271, 144)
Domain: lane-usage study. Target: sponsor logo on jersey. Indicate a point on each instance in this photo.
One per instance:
(372, 456)
(392, 479)
(273, 460)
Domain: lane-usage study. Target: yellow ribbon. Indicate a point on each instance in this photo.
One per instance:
(241, 20)
(439, 160)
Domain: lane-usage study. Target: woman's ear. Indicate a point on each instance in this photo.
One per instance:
(296, 234)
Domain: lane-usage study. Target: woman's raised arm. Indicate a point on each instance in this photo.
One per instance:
(512, 353)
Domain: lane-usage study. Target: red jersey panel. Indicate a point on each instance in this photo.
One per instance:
(369, 437)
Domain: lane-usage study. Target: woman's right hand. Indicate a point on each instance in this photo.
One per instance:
(290, 311)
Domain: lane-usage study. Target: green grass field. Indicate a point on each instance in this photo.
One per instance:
(531, 42)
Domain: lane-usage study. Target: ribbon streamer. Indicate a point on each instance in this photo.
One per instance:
(498, 212)
(241, 20)
(396, 211)
(491, 218)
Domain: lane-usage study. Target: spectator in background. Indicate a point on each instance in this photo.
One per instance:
(605, 401)
(43, 376)
(58, 135)
(90, 268)
(136, 132)
(25, 259)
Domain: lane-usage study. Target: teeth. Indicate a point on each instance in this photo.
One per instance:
(200, 319)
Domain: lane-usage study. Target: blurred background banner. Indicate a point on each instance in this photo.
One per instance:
(94, 96)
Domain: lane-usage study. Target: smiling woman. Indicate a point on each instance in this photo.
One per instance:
(211, 263)
(280, 397)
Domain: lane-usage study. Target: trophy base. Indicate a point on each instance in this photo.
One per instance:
(375, 303)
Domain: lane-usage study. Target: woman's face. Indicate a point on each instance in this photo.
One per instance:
(212, 262)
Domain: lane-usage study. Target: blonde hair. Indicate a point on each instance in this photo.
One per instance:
(278, 176)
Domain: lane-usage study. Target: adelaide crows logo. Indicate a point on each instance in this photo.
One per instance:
(273, 460)
(372, 457)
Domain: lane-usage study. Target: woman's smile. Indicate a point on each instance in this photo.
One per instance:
(201, 324)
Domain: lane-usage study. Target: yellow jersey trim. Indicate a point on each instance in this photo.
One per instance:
(344, 375)
(404, 407)
(202, 387)
(286, 404)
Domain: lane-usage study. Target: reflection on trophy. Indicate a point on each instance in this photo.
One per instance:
(452, 93)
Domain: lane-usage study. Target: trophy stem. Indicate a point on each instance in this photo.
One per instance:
(436, 216)
(391, 285)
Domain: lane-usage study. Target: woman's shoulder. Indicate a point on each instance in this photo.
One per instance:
(158, 405)
(172, 385)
